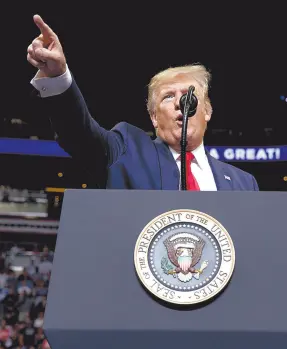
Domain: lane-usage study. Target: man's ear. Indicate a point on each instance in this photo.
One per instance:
(154, 120)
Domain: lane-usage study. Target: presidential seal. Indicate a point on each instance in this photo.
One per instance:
(184, 257)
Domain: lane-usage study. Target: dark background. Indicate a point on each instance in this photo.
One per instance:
(113, 50)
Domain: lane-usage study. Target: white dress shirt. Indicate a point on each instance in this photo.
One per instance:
(52, 86)
(200, 168)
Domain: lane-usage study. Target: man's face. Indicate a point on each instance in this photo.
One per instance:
(167, 116)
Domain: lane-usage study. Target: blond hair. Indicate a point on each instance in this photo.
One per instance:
(195, 71)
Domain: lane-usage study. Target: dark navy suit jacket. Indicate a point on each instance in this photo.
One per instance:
(126, 157)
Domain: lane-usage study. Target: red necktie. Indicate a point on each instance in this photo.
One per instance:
(191, 183)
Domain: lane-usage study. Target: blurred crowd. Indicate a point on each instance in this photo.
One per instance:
(23, 295)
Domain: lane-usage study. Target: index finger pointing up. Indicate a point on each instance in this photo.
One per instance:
(46, 31)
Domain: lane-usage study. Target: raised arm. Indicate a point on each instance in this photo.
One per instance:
(59, 97)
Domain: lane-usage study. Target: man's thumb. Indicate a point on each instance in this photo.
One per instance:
(43, 54)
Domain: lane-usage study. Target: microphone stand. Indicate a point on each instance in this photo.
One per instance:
(183, 142)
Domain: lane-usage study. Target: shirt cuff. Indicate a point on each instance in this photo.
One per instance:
(52, 86)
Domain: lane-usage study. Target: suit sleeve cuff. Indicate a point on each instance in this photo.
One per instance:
(52, 86)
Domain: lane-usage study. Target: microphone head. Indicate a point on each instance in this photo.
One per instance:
(190, 100)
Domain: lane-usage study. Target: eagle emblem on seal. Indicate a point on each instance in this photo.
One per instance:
(184, 251)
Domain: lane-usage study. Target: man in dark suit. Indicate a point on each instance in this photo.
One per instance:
(126, 156)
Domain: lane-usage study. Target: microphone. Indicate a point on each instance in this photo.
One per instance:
(188, 102)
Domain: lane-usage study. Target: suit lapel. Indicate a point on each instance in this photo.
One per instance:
(169, 171)
(222, 179)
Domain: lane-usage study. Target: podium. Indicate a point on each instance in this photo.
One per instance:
(96, 299)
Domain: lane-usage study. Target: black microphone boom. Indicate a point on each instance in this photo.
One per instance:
(188, 104)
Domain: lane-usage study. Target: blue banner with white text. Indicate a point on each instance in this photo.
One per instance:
(223, 153)
(263, 153)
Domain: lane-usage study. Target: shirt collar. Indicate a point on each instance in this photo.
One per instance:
(199, 155)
